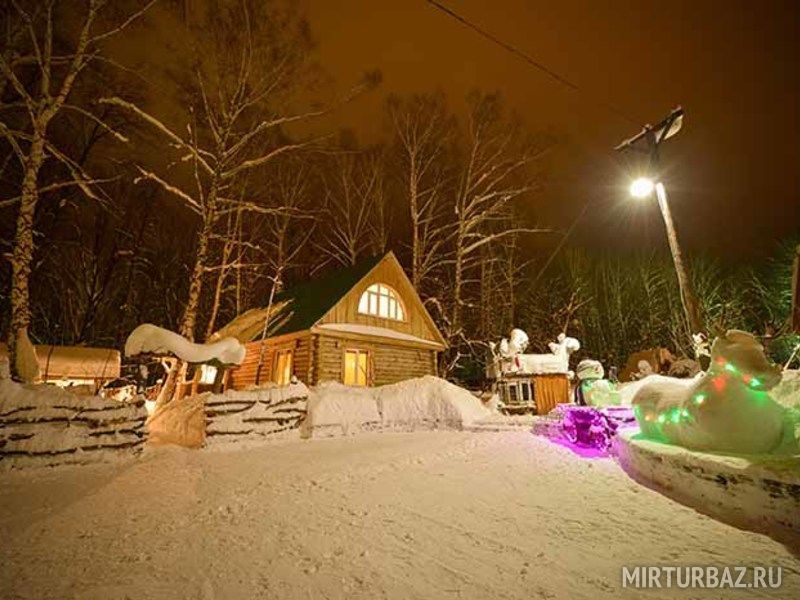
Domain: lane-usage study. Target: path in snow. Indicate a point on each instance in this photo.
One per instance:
(422, 515)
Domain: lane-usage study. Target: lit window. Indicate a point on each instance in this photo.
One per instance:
(382, 301)
(282, 374)
(356, 367)
(208, 374)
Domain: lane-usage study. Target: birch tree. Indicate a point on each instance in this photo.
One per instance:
(424, 131)
(40, 73)
(286, 234)
(234, 124)
(494, 172)
(353, 194)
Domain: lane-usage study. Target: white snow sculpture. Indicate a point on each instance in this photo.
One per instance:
(515, 344)
(149, 338)
(557, 362)
(509, 358)
(728, 409)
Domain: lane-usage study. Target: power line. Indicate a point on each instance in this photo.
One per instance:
(528, 59)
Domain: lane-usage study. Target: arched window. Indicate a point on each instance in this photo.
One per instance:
(381, 301)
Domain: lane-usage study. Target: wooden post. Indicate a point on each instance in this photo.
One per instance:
(688, 298)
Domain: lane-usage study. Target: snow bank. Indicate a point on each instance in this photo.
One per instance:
(47, 425)
(757, 492)
(147, 339)
(421, 403)
(336, 409)
(254, 415)
(428, 403)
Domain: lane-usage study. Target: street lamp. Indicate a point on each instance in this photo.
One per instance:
(643, 187)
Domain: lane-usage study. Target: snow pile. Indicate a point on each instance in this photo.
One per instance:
(256, 414)
(149, 339)
(336, 409)
(729, 409)
(421, 403)
(428, 403)
(46, 425)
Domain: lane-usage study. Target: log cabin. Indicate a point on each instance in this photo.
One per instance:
(363, 325)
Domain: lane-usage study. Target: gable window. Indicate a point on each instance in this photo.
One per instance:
(282, 373)
(356, 367)
(381, 301)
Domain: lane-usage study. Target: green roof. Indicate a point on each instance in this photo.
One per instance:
(308, 302)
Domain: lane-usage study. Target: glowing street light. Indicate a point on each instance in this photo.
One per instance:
(643, 187)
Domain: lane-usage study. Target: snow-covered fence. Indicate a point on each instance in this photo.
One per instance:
(258, 414)
(45, 425)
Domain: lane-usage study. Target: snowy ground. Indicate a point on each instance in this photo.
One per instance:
(392, 515)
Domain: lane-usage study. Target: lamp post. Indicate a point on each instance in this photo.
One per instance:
(643, 187)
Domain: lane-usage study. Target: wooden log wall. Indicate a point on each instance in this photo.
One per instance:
(389, 363)
(244, 375)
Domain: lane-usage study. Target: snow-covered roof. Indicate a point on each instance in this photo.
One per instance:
(300, 307)
(373, 331)
(74, 362)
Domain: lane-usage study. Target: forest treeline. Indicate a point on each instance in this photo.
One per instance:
(167, 162)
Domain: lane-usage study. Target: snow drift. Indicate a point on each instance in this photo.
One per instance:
(422, 403)
(147, 339)
(336, 409)
(47, 425)
(428, 403)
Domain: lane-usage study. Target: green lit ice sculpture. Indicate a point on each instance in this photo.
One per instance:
(728, 409)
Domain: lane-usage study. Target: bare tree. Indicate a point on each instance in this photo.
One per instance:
(352, 194)
(287, 233)
(380, 226)
(424, 130)
(493, 174)
(234, 126)
(42, 76)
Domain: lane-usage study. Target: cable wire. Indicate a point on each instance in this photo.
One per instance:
(528, 59)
